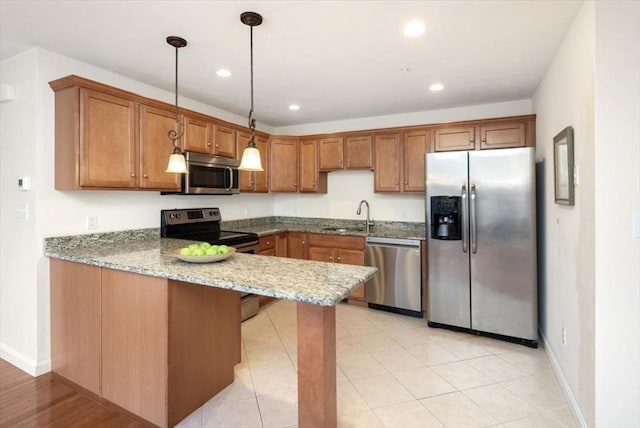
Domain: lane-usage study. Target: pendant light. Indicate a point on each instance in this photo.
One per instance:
(176, 160)
(251, 156)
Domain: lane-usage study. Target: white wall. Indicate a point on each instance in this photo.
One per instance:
(617, 193)
(565, 98)
(592, 270)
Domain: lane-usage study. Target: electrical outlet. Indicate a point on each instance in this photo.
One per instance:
(564, 336)
(92, 222)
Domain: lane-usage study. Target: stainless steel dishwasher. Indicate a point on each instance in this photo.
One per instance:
(398, 285)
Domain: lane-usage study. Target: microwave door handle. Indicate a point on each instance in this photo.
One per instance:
(230, 178)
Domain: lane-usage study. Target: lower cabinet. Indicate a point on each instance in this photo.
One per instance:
(297, 245)
(339, 249)
(156, 347)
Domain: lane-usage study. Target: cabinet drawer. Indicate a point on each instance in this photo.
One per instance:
(336, 241)
(266, 243)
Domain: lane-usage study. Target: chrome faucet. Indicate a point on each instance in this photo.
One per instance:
(369, 222)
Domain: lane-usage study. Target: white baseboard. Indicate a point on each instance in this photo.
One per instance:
(566, 389)
(24, 363)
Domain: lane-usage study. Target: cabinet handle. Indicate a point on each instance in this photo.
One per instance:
(295, 184)
(330, 257)
(339, 258)
(473, 140)
(339, 160)
(144, 176)
(484, 140)
(406, 182)
(209, 144)
(397, 183)
(303, 242)
(133, 174)
(314, 184)
(217, 145)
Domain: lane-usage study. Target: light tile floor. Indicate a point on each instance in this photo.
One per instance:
(393, 371)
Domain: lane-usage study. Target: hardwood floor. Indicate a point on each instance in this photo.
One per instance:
(43, 401)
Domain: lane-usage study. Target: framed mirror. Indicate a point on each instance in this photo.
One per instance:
(563, 166)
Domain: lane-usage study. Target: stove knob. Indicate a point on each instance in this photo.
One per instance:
(172, 215)
(178, 215)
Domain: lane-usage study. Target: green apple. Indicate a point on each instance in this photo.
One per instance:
(223, 249)
(186, 251)
(205, 246)
(194, 246)
(198, 252)
(210, 252)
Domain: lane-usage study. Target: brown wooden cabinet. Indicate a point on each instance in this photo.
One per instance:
(415, 144)
(297, 245)
(273, 245)
(487, 134)
(387, 162)
(348, 152)
(106, 141)
(358, 152)
(198, 134)
(283, 164)
(399, 165)
(253, 181)
(331, 153)
(339, 249)
(224, 141)
(311, 179)
(97, 314)
(155, 125)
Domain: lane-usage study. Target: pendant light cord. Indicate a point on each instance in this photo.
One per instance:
(252, 121)
(175, 134)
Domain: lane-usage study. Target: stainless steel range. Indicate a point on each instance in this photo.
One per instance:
(203, 225)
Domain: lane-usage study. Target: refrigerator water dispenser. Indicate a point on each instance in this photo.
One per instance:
(445, 218)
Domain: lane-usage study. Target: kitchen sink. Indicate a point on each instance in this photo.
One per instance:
(343, 229)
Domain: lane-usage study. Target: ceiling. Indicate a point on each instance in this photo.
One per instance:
(336, 59)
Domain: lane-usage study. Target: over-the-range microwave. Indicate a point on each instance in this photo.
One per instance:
(209, 175)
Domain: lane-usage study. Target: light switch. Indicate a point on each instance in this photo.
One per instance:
(22, 211)
(24, 184)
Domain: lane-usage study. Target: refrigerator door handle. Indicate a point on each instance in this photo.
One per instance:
(474, 224)
(465, 218)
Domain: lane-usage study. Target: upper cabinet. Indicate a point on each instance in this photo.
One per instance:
(487, 134)
(253, 181)
(155, 148)
(224, 141)
(399, 161)
(108, 141)
(311, 180)
(283, 164)
(203, 136)
(345, 152)
(294, 166)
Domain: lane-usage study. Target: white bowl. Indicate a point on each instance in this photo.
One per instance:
(206, 259)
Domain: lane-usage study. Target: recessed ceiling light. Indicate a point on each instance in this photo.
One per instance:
(223, 72)
(414, 28)
(436, 87)
(404, 69)
(294, 107)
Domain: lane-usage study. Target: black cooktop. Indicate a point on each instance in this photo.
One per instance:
(200, 224)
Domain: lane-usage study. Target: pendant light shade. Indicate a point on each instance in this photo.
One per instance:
(251, 160)
(176, 160)
(251, 156)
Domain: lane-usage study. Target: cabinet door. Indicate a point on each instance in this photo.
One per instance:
(135, 343)
(387, 163)
(297, 245)
(358, 152)
(266, 243)
(281, 245)
(198, 135)
(455, 138)
(350, 257)
(309, 166)
(502, 135)
(321, 254)
(283, 165)
(261, 178)
(331, 156)
(155, 149)
(108, 149)
(224, 141)
(75, 323)
(414, 146)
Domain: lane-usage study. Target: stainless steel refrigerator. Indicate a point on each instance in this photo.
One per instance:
(481, 242)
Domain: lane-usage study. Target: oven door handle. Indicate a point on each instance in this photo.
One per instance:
(230, 178)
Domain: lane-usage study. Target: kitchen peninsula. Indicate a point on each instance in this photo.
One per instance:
(133, 325)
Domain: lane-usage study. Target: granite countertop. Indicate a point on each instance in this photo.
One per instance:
(143, 252)
(384, 229)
